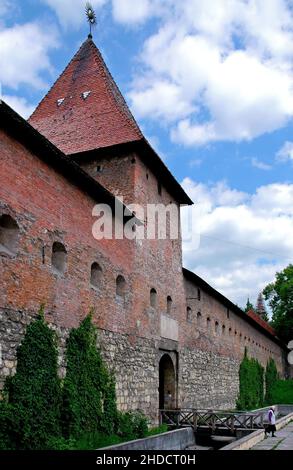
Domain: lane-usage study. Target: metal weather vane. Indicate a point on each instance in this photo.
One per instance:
(91, 16)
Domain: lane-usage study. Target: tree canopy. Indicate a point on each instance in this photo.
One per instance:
(280, 296)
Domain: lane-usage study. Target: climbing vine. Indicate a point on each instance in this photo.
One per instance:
(251, 384)
(32, 415)
(271, 378)
(39, 412)
(86, 383)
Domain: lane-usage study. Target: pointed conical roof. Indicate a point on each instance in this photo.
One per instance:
(85, 110)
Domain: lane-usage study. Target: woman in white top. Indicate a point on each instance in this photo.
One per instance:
(272, 422)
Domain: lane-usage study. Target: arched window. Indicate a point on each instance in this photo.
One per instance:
(230, 331)
(153, 298)
(9, 234)
(169, 304)
(96, 275)
(189, 314)
(217, 328)
(198, 318)
(59, 257)
(120, 286)
(208, 323)
(198, 294)
(223, 330)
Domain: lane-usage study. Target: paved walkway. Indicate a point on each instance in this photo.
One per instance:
(282, 441)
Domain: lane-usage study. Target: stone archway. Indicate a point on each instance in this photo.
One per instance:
(167, 383)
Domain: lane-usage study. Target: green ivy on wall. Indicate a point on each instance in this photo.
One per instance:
(89, 390)
(251, 384)
(40, 412)
(271, 378)
(34, 393)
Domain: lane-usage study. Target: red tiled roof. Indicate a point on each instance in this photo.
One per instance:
(261, 322)
(80, 123)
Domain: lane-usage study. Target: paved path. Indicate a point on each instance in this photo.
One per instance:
(282, 441)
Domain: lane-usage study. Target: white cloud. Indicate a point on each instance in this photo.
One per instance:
(126, 11)
(72, 13)
(20, 105)
(172, 105)
(285, 153)
(244, 239)
(24, 55)
(256, 163)
(221, 71)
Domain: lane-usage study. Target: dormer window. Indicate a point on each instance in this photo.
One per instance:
(85, 94)
(60, 101)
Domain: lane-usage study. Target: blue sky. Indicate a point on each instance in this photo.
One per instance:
(211, 84)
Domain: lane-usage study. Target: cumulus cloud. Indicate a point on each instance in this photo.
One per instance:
(285, 154)
(244, 239)
(220, 71)
(24, 52)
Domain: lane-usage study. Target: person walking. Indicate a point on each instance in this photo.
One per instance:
(272, 422)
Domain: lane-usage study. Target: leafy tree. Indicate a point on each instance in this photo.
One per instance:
(34, 392)
(280, 297)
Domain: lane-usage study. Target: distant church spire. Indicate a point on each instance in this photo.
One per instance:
(261, 308)
(91, 17)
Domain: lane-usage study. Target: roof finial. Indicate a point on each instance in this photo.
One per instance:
(91, 17)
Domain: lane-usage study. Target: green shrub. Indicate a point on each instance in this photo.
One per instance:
(282, 392)
(110, 419)
(37, 414)
(96, 441)
(132, 425)
(271, 378)
(85, 385)
(158, 430)
(60, 443)
(251, 380)
(7, 438)
(34, 392)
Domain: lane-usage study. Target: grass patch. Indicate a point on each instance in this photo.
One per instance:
(97, 440)
(282, 392)
(158, 430)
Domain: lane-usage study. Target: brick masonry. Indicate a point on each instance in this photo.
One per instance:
(48, 208)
